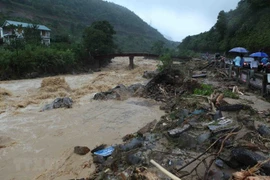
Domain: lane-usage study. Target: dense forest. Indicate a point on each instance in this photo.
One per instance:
(247, 26)
(69, 18)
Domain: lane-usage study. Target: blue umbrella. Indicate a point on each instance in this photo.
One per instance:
(239, 50)
(258, 54)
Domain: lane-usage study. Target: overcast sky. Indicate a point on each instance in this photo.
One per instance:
(176, 19)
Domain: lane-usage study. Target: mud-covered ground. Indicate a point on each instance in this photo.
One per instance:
(202, 136)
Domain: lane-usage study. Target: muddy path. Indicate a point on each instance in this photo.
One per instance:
(39, 145)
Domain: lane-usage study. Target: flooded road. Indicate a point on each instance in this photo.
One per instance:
(39, 145)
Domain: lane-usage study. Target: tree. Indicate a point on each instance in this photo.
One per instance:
(221, 24)
(32, 35)
(98, 38)
(158, 47)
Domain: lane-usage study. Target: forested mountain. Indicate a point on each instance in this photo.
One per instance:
(71, 17)
(247, 26)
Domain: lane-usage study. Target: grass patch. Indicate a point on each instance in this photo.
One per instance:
(230, 94)
(205, 90)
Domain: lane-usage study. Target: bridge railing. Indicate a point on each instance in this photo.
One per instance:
(239, 74)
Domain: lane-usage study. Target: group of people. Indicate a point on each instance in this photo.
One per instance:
(255, 64)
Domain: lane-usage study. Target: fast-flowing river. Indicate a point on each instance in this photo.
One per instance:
(39, 145)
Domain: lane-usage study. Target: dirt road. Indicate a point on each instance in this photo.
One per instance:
(39, 145)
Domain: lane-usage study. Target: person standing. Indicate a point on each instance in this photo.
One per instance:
(238, 62)
(254, 68)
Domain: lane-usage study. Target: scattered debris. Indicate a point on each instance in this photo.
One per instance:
(191, 138)
(105, 152)
(199, 76)
(149, 74)
(178, 131)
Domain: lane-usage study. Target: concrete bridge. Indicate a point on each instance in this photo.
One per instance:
(132, 55)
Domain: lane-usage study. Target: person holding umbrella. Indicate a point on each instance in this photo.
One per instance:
(264, 59)
(239, 60)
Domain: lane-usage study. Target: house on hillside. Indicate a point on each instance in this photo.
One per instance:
(17, 30)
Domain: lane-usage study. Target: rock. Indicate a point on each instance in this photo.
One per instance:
(137, 158)
(203, 137)
(98, 159)
(187, 140)
(65, 102)
(264, 131)
(183, 113)
(227, 157)
(219, 163)
(81, 150)
(249, 158)
(149, 74)
(62, 102)
(226, 176)
(120, 92)
(178, 131)
(136, 89)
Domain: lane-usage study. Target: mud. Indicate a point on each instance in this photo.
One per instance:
(198, 138)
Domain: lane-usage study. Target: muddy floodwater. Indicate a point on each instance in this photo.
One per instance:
(39, 145)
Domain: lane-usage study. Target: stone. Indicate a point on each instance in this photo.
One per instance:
(178, 131)
(136, 89)
(65, 102)
(187, 140)
(203, 137)
(137, 158)
(219, 163)
(98, 159)
(264, 131)
(81, 150)
(120, 92)
(249, 158)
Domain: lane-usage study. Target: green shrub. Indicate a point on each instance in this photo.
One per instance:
(39, 59)
(165, 61)
(205, 90)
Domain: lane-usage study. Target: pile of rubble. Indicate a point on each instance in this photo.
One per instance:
(200, 137)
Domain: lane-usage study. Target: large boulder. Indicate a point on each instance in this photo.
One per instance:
(65, 102)
(120, 92)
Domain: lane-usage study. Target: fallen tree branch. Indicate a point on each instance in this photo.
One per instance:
(217, 154)
(173, 177)
(245, 174)
(236, 90)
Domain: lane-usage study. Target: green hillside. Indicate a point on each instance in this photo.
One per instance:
(247, 26)
(71, 17)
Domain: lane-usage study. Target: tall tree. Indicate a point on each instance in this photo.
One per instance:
(98, 38)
